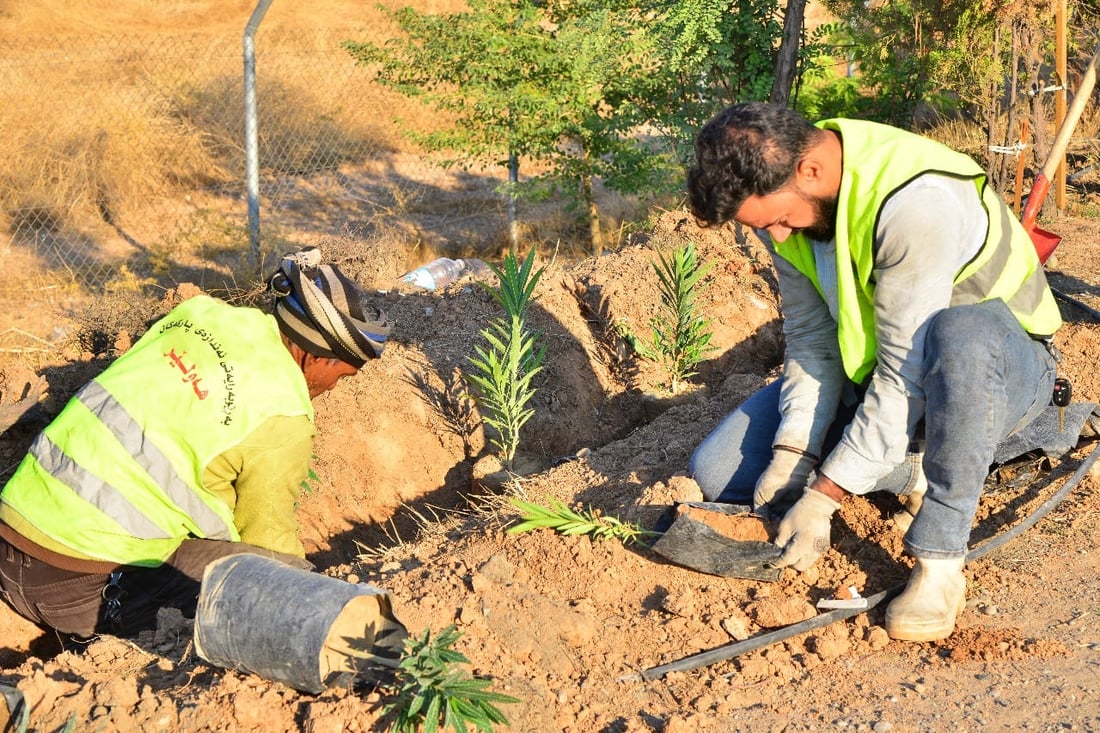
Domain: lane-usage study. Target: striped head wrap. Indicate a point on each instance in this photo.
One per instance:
(325, 313)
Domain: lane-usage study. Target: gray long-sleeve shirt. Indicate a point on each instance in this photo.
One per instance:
(927, 232)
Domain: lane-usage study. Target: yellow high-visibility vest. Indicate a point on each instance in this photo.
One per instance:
(117, 476)
(878, 161)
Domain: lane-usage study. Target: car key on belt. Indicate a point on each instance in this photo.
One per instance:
(1063, 390)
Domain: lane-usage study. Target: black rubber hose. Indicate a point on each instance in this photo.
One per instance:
(759, 641)
(1074, 302)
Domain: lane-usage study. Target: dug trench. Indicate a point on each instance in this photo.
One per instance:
(565, 624)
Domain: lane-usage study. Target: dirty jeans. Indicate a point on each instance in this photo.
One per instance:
(77, 603)
(984, 379)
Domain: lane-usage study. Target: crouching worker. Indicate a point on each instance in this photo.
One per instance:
(913, 300)
(190, 447)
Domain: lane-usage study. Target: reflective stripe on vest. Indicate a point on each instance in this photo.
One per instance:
(973, 287)
(92, 489)
(146, 454)
(118, 474)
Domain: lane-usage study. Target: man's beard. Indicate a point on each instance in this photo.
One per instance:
(824, 227)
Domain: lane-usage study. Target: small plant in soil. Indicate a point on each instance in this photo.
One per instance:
(681, 337)
(311, 481)
(435, 692)
(510, 358)
(566, 521)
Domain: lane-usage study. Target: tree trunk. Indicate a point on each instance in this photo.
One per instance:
(786, 63)
(592, 214)
(513, 181)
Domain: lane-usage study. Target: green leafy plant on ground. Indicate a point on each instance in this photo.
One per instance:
(512, 355)
(434, 692)
(310, 483)
(566, 521)
(681, 337)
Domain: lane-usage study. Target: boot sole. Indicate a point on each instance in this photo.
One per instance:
(907, 632)
(938, 634)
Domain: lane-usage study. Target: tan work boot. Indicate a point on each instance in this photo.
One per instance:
(934, 596)
(911, 503)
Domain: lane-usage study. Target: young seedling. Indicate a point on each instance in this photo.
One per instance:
(312, 480)
(681, 337)
(512, 355)
(566, 521)
(435, 692)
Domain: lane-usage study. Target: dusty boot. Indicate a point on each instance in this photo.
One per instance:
(934, 596)
(911, 503)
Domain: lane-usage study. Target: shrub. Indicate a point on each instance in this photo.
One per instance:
(505, 366)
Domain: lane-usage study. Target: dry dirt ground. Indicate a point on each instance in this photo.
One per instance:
(566, 624)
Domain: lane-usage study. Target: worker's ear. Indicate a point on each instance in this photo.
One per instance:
(296, 352)
(810, 171)
(818, 173)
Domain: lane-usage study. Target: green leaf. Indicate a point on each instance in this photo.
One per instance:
(564, 520)
(680, 337)
(505, 364)
(433, 689)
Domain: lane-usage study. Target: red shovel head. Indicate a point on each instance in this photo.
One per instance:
(1045, 242)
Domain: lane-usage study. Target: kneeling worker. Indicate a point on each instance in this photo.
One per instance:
(914, 306)
(190, 447)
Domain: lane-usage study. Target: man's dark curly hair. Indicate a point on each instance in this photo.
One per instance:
(749, 149)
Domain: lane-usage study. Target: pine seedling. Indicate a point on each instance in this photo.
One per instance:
(681, 337)
(511, 356)
(434, 692)
(564, 520)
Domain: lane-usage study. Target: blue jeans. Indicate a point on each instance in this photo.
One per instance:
(984, 378)
(728, 462)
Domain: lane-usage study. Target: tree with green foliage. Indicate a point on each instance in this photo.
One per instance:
(577, 88)
(708, 55)
(891, 46)
(959, 58)
(554, 84)
(955, 56)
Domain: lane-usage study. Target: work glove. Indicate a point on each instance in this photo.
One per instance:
(782, 482)
(804, 531)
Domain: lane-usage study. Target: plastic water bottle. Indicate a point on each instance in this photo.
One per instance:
(436, 274)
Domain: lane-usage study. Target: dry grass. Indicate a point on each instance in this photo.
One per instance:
(108, 136)
(83, 158)
(85, 134)
(105, 155)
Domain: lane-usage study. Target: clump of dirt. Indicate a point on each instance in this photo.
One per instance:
(569, 625)
(746, 526)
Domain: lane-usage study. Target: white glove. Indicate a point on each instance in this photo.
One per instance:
(782, 482)
(804, 531)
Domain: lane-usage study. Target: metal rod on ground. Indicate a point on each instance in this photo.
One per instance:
(759, 641)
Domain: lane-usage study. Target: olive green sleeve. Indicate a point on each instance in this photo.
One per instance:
(260, 479)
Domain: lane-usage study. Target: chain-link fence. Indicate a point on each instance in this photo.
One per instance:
(130, 150)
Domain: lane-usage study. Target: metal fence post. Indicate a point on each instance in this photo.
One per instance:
(251, 143)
